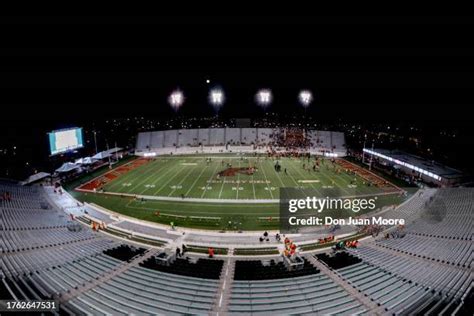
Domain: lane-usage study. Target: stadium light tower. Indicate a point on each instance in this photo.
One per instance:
(95, 141)
(305, 97)
(264, 98)
(216, 98)
(176, 99)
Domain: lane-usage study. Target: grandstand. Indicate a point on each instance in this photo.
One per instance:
(227, 140)
(90, 271)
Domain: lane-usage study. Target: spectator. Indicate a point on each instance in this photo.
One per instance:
(211, 252)
(277, 237)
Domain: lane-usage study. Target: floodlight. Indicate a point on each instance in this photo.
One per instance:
(305, 97)
(176, 99)
(264, 97)
(216, 97)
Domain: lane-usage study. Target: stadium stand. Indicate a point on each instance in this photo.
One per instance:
(310, 294)
(217, 137)
(395, 293)
(256, 270)
(217, 140)
(144, 291)
(450, 218)
(202, 268)
(428, 270)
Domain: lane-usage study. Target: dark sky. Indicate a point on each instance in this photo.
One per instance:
(65, 70)
(59, 71)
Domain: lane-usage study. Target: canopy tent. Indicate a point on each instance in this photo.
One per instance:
(85, 161)
(66, 167)
(106, 153)
(113, 150)
(101, 155)
(36, 177)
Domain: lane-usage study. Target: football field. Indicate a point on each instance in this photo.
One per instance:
(221, 192)
(247, 178)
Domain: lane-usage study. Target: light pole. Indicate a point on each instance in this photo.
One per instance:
(363, 149)
(95, 141)
(371, 157)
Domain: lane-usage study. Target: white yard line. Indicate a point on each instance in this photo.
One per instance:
(337, 182)
(157, 179)
(143, 181)
(238, 183)
(266, 180)
(176, 174)
(292, 178)
(184, 178)
(253, 186)
(212, 175)
(279, 178)
(112, 188)
(222, 187)
(195, 181)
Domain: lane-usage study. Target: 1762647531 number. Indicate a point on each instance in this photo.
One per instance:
(28, 306)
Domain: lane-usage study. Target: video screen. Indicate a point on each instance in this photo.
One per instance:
(65, 140)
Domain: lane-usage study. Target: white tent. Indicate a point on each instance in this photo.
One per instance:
(88, 161)
(66, 167)
(106, 153)
(85, 161)
(36, 177)
(101, 155)
(113, 150)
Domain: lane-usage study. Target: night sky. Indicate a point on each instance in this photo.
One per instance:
(63, 71)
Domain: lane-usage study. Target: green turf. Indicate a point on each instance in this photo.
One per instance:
(193, 177)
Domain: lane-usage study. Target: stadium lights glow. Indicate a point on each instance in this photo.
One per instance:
(216, 98)
(402, 163)
(152, 154)
(305, 97)
(264, 97)
(176, 99)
